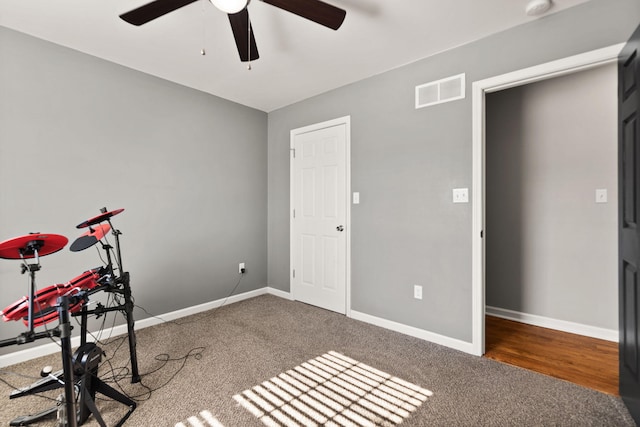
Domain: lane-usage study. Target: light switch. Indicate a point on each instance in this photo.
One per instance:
(356, 198)
(460, 195)
(601, 195)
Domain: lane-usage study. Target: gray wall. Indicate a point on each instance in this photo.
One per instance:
(405, 162)
(550, 249)
(78, 133)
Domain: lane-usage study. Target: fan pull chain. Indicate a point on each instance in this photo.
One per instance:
(203, 52)
(249, 42)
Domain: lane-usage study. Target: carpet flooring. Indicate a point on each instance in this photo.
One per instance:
(270, 361)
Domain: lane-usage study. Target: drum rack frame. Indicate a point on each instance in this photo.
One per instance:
(78, 375)
(70, 375)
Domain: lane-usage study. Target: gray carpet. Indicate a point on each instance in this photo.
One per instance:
(224, 367)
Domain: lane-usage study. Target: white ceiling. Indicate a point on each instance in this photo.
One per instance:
(298, 58)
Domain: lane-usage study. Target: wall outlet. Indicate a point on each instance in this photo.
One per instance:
(601, 195)
(417, 292)
(460, 195)
(241, 268)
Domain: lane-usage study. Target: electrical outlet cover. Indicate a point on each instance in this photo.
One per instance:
(460, 195)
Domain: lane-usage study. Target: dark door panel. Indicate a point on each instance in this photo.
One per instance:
(629, 232)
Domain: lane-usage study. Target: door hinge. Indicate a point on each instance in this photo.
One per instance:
(294, 213)
(293, 150)
(294, 273)
(481, 234)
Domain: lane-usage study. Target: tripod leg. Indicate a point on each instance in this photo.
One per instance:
(91, 404)
(128, 304)
(105, 389)
(25, 420)
(86, 403)
(67, 364)
(86, 362)
(114, 394)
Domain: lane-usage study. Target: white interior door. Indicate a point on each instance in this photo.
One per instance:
(319, 215)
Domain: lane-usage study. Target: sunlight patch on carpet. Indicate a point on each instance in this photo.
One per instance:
(204, 419)
(333, 390)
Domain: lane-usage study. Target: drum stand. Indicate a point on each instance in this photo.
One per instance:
(80, 372)
(126, 307)
(119, 284)
(31, 248)
(80, 377)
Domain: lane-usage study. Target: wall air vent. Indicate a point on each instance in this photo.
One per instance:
(439, 91)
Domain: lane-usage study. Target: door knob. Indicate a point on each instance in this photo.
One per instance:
(340, 228)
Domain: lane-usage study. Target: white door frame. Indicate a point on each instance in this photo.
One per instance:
(545, 71)
(346, 120)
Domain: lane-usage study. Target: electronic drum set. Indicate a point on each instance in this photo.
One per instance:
(79, 375)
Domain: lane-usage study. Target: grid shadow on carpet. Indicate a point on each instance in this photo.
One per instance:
(333, 390)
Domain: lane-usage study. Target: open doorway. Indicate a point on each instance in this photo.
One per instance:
(480, 89)
(551, 202)
(551, 216)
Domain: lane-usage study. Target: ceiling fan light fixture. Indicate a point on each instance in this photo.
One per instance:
(537, 7)
(230, 6)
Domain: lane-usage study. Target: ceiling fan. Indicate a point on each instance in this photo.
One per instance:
(313, 10)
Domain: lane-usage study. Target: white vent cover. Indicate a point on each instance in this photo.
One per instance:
(439, 91)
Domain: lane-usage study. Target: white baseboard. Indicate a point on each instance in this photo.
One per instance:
(394, 326)
(414, 332)
(560, 325)
(397, 327)
(279, 293)
(50, 348)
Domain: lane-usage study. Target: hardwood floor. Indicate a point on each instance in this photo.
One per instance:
(586, 361)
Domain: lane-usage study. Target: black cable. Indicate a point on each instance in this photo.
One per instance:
(100, 254)
(164, 358)
(209, 313)
(120, 373)
(52, 338)
(195, 352)
(122, 339)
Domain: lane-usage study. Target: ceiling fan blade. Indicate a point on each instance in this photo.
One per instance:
(243, 34)
(153, 10)
(314, 10)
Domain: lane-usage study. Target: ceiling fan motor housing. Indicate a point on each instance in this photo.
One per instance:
(230, 6)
